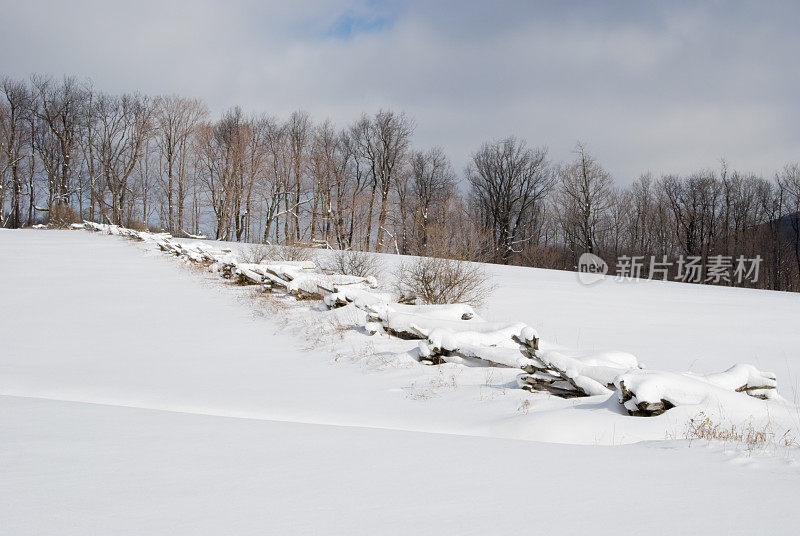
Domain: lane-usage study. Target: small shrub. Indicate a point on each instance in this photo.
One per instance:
(137, 225)
(63, 216)
(292, 252)
(439, 281)
(257, 253)
(350, 262)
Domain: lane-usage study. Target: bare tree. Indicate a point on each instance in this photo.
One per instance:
(14, 141)
(789, 182)
(383, 143)
(433, 183)
(694, 203)
(91, 177)
(582, 201)
(3, 160)
(123, 125)
(59, 108)
(508, 183)
(299, 130)
(771, 236)
(33, 127)
(223, 148)
(333, 170)
(274, 182)
(176, 119)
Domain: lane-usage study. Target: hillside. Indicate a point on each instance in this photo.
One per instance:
(141, 394)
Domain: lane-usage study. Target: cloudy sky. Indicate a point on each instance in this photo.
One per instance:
(660, 87)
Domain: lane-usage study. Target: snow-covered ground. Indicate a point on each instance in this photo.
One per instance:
(139, 395)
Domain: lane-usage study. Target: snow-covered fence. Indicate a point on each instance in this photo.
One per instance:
(413, 321)
(650, 392)
(299, 278)
(455, 333)
(572, 376)
(452, 333)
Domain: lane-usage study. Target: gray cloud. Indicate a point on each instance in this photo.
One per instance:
(649, 86)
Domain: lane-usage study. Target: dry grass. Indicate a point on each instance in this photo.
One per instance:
(439, 281)
(320, 331)
(268, 305)
(703, 427)
(431, 388)
(370, 359)
(192, 266)
(491, 390)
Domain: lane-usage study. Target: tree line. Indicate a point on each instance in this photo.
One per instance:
(69, 151)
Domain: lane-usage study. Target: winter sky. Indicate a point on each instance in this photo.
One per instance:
(658, 86)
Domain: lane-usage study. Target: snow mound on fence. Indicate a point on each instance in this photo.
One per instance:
(601, 369)
(357, 296)
(651, 392)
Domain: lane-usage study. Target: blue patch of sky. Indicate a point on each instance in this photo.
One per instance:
(373, 17)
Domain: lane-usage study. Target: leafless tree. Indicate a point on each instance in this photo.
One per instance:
(383, 143)
(3, 160)
(789, 182)
(91, 179)
(508, 183)
(123, 126)
(583, 199)
(694, 204)
(175, 120)
(771, 237)
(433, 185)
(336, 185)
(223, 149)
(274, 182)
(299, 129)
(59, 107)
(14, 141)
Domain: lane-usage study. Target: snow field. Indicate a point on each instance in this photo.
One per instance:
(137, 395)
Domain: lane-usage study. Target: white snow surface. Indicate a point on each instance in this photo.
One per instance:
(141, 396)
